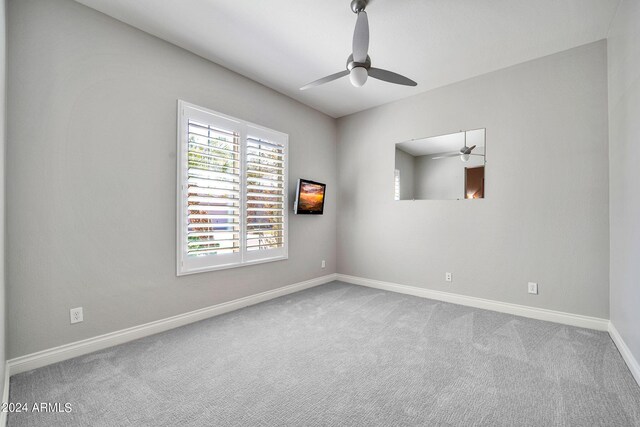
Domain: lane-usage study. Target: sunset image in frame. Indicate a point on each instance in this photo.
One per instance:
(311, 197)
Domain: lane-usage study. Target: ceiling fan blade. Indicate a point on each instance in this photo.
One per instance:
(361, 38)
(325, 79)
(444, 156)
(468, 150)
(391, 77)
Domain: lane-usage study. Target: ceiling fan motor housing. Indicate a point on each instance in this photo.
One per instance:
(358, 5)
(351, 64)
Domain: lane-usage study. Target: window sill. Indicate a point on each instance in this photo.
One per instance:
(228, 266)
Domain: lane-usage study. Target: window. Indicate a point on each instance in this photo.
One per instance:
(232, 192)
(396, 184)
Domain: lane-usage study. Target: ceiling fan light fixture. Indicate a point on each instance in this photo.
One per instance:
(358, 76)
(465, 157)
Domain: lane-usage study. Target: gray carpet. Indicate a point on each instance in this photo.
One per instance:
(340, 355)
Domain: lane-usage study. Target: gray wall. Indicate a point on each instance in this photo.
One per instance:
(3, 68)
(405, 163)
(545, 218)
(624, 158)
(92, 169)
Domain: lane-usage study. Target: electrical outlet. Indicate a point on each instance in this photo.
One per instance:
(76, 315)
(448, 277)
(324, 264)
(533, 288)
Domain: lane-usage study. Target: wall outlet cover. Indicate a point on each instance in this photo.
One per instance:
(76, 315)
(533, 288)
(448, 277)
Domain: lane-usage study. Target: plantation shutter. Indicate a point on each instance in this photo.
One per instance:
(214, 190)
(232, 192)
(266, 208)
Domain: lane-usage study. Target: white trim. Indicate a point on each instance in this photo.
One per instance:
(502, 307)
(5, 394)
(631, 361)
(79, 348)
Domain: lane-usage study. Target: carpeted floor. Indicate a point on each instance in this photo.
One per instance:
(339, 355)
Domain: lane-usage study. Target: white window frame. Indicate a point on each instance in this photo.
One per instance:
(190, 264)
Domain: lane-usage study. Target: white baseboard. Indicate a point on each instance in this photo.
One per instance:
(502, 307)
(79, 348)
(631, 361)
(5, 394)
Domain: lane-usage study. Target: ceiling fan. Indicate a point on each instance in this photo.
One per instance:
(359, 64)
(464, 153)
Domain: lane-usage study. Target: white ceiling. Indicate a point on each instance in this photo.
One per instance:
(444, 143)
(285, 44)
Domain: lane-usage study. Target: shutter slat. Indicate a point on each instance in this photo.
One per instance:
(199, 172)
(255, 211)
(205, 216)
(214, 251)
(255, 225)
(260, 202)
(253, 157)
(263, 173)
(265, 246)
(267, 181)
(211, 233)
(258, 233)
(256, 141)
(263, 197)
(215, 183)
(215, 226)
(259, 166)
(214, 202)
(212, 156)
(212, 208)
(209, 242)
(278, 153)
(196, 125)
(275, 190)
(211, 147)
(254, 237)
(266, 241)
(215, 192)
(207, 166)
(209, 185)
